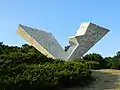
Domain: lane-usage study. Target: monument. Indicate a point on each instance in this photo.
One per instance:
(87, 36)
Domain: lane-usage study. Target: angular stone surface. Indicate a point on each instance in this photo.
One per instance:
(87, 36)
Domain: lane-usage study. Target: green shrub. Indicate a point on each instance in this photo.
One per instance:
(107, 63)
(89, 64)
(24, 68)
(116, 64)
(45, 75)
(93, 57)
(93, 64)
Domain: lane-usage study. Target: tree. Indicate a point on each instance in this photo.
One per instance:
(66, 48)
(1, 43)
(93, 57)
(107, 62)
(116, 61)
(118, 53)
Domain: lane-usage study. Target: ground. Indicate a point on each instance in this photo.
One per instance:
(106, 79)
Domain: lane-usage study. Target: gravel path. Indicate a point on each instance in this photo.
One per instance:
(106, 79)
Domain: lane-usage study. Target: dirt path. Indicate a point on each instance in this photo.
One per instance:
(106, 79)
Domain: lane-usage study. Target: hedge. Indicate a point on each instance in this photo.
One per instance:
(24, 77)
(24, 68)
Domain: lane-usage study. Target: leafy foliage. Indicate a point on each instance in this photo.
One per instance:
(67, 47)
(116, 62)
(24, 68)
(104, 63)
(93, 57)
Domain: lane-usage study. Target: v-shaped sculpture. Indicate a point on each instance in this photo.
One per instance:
(87, 36)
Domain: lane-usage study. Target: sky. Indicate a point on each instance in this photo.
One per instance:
(62, 18)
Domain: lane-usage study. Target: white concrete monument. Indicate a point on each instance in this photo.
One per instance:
(87, 36)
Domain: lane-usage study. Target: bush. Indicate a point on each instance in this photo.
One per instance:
(46, 75)
(116, 64)
(93, 57)
(90, 64)
(25, 68)
(93, 65)
(107, 63)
